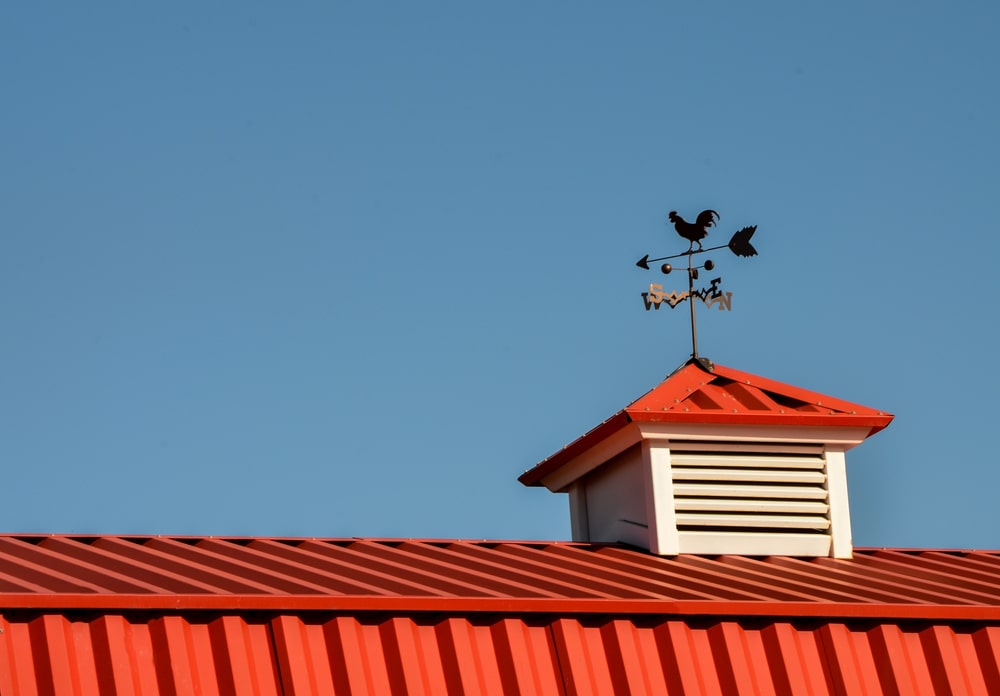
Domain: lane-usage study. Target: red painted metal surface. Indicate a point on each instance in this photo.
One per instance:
(163, 615)
(692, 394)
(726, 397)
(372, 654)
(211, 573)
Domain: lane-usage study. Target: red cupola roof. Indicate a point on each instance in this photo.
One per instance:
(723, 395)
(701, 393)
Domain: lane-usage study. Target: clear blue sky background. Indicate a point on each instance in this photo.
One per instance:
(348, 268)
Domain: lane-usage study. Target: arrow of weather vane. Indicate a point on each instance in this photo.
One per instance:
(694, 232)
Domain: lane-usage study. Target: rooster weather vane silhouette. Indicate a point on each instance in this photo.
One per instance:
(694, 232)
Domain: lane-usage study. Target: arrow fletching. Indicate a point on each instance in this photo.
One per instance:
(740, 243)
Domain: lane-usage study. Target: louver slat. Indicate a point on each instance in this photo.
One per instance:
(744, 461)
(751, 448)
(755, 521)
(744, 491)
(754, 505)
(749, 476)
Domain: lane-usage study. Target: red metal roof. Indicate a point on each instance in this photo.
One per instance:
(208, 615)
(434, 655)
(211, 573)
(724, 396)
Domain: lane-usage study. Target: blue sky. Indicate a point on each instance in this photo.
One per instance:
(347, 269)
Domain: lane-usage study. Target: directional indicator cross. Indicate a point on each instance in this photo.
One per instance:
(694, 232)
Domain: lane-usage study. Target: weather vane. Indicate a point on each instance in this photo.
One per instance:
(694, 232)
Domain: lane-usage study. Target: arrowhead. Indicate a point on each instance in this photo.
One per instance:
(643, 262)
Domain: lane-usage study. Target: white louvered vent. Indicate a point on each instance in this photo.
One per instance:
(763, 493)
(748, 490)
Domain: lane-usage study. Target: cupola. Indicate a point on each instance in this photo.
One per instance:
(715, 461)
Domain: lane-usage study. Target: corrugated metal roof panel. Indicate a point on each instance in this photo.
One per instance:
(344, 654)
(53, 654)
(116, 572)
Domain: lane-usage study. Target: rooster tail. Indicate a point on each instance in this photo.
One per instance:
(706, 218)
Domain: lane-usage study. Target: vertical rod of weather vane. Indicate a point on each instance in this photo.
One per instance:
(694, 332)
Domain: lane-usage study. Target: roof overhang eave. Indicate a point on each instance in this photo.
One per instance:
(536, 476)
(873, 423)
